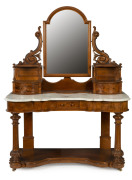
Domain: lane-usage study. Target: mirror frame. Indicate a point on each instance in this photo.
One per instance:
(45, 45)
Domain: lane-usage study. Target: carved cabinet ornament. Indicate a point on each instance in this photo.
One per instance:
(33, 57)
(99, 56)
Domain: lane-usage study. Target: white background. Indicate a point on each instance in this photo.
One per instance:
(18, 23)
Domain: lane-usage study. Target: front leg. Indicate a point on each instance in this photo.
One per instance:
(118, 161)
(15, 155)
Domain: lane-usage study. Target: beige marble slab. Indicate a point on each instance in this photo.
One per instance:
(59, 96)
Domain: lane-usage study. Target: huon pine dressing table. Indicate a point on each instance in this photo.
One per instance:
(67, 53)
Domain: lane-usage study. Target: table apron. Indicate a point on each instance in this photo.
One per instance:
(43, 106)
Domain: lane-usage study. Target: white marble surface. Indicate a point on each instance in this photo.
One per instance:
(59, 96)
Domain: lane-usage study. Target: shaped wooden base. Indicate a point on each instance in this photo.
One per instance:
(93, 156)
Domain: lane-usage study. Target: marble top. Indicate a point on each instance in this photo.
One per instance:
(67, 97)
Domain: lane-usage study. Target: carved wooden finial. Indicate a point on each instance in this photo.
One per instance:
(99, 56)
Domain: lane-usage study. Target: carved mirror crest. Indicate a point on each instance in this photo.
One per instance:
(67, 44)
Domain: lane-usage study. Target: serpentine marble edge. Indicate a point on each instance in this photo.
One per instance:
(59, 96)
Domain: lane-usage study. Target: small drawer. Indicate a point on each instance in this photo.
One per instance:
(69, 105)
(107, 87)
(26, 87)
(28, 74)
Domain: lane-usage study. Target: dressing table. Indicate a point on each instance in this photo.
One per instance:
(67, 53)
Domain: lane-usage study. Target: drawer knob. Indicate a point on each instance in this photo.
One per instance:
(72, 104)
(62, 105)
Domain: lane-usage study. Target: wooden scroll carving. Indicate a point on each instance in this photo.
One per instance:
(33, 57)
(99, 56)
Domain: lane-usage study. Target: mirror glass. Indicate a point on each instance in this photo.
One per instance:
(67, 44)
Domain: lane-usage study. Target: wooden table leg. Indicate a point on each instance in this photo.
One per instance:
(28, 139)
(118, 153)
(15, 155)
(105, 139)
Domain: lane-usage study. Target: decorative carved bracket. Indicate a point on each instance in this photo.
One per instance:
(99, 56)
(33, 57)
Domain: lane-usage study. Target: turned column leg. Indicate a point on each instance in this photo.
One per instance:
(15, 155)
(28, 139)
(118, 153)
(105, 139)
